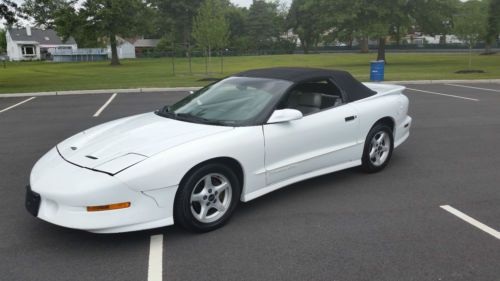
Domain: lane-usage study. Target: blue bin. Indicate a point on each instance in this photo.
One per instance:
(377, 69)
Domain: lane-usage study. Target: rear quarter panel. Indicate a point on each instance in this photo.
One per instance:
(388, 102)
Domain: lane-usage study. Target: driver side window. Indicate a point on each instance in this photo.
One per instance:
(313, 97)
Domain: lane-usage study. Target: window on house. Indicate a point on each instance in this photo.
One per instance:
(29, 50)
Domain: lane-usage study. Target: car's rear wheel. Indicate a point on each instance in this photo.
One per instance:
(207, 198)
(378, 148)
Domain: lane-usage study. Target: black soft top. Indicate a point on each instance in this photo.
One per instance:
(354, 89)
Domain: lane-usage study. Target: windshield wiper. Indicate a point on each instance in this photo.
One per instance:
(191, 117)
(166, 113)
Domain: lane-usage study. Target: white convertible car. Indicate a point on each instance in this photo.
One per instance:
(234, 140)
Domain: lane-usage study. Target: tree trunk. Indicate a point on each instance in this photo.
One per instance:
(487, 49)
(221, 61)
(190, 61)
(398, 36)
(209, 54)
(305, 47)
(173, 58)
(363, 42)
(206, 61)
(114, 51)
(470, 56)
(442, 39)
(490, 40)
(381, 49)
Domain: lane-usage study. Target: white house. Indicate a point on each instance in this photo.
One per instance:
(130, 48)
(125, 49)
(144, 45)
(34, 43)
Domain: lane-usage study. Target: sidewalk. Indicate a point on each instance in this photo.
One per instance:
(185, 89)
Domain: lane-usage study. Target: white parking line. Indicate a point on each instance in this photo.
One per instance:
(441, 94)
(17, 104)
(472, 221)
(475, 88)
(98, 112)
(155, 268)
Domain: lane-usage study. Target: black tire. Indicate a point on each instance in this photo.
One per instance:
(368, 164)
(183, 215)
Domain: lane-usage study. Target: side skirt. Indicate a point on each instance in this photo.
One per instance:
(271, 188)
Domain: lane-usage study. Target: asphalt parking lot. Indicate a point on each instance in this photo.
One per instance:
(343, 226)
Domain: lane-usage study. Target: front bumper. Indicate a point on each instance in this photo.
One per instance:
(402, 131)
(32, 201)
(63, 191)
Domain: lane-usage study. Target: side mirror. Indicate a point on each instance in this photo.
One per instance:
(284, 115)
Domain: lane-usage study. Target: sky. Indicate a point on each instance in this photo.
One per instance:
(247, 3)
(241, 3)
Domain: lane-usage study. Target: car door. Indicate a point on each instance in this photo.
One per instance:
(317, 141)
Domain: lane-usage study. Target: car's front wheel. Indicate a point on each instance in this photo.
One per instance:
(378, 148)
(207, 198)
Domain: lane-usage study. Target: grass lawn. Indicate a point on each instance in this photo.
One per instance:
(48, 76)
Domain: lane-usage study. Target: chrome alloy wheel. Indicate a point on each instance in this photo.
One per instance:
(211, 198)
(380, 146)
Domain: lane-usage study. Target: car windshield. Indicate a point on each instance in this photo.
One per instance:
(230, 102)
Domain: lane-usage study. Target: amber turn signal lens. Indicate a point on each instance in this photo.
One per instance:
(108, 207)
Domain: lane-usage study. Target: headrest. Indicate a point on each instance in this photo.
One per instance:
(310, 99)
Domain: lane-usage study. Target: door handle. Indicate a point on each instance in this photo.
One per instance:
(350, 118)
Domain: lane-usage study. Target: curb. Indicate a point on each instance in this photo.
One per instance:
(185, 89)
(103, 91)
(422, 82)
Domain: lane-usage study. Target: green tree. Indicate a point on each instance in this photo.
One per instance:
(64, 17)
(470, 24)
(363, 19)
(391, 15)
(307, 18)
(111, 18)
(493, 24)
(354, 20)
(9, 11)
(3, 41)
(68, 22)
(210, 29)
(435, 17)
(45, 12)
(164, 45)
(383, 19)
(237, 19)
(92, 20)
(174, 19)
(265, 24)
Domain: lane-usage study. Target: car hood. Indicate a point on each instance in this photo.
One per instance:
(117, 145)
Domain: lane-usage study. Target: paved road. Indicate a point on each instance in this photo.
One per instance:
(342, 226)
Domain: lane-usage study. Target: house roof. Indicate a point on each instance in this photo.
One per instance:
(146, 43)
(121, 41)
(44, 37)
